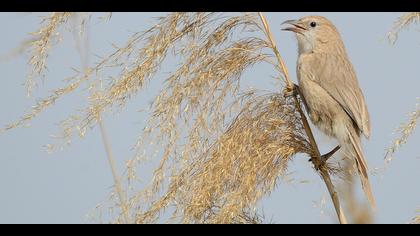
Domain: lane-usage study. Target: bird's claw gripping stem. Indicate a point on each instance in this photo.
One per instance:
(325, 157)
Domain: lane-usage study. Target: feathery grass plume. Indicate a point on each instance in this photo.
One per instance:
(213, 58)
(138, 64)
(214, 62)
(44, 38)
(42, 104)
(123, 58)
(214, 50)
(405, 130)
(402, 22)
(39, 46)
(241, 166)
(141, 57)
(206, 173)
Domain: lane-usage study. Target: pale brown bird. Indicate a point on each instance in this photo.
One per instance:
(330, 89)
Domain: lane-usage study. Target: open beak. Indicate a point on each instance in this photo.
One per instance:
(295, 26)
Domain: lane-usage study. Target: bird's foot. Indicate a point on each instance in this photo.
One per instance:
(325, 157)
(290, 91)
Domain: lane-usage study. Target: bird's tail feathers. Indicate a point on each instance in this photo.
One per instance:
(356, 150)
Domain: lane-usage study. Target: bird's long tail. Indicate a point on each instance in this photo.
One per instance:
(355, 150)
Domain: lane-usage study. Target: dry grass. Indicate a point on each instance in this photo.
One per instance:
(214, 51)
(240, 167)
(405, 130)
(197, 100)
(402, 23)
(44, 39)
(39, 47)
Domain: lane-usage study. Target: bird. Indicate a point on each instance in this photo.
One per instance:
(330, 90)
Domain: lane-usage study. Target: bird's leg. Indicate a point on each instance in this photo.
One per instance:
(327, 156)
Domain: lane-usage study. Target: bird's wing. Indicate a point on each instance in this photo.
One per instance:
(336, 75)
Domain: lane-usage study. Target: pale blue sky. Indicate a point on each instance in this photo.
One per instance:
(63, 187)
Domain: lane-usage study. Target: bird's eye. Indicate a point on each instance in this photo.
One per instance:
(313, 24)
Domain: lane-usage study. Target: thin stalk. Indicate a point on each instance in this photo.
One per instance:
(117, 179)
(320, 166)
(84, 58)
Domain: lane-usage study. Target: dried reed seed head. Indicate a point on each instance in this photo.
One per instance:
(402, 22)
(405, 130)
(44, 38)
(241, 166)
(194, 99)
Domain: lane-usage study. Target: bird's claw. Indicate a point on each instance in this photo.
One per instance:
(325, 157)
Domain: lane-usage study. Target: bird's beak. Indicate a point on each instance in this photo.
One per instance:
(295, 26)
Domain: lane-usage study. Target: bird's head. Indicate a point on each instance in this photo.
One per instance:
(314, 33)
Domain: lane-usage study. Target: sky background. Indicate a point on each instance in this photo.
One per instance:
(63, 187)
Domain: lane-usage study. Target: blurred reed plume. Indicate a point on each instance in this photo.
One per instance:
(217, 174)
(407, 128)
(43, 40)
(241, 166)
(401, 23)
